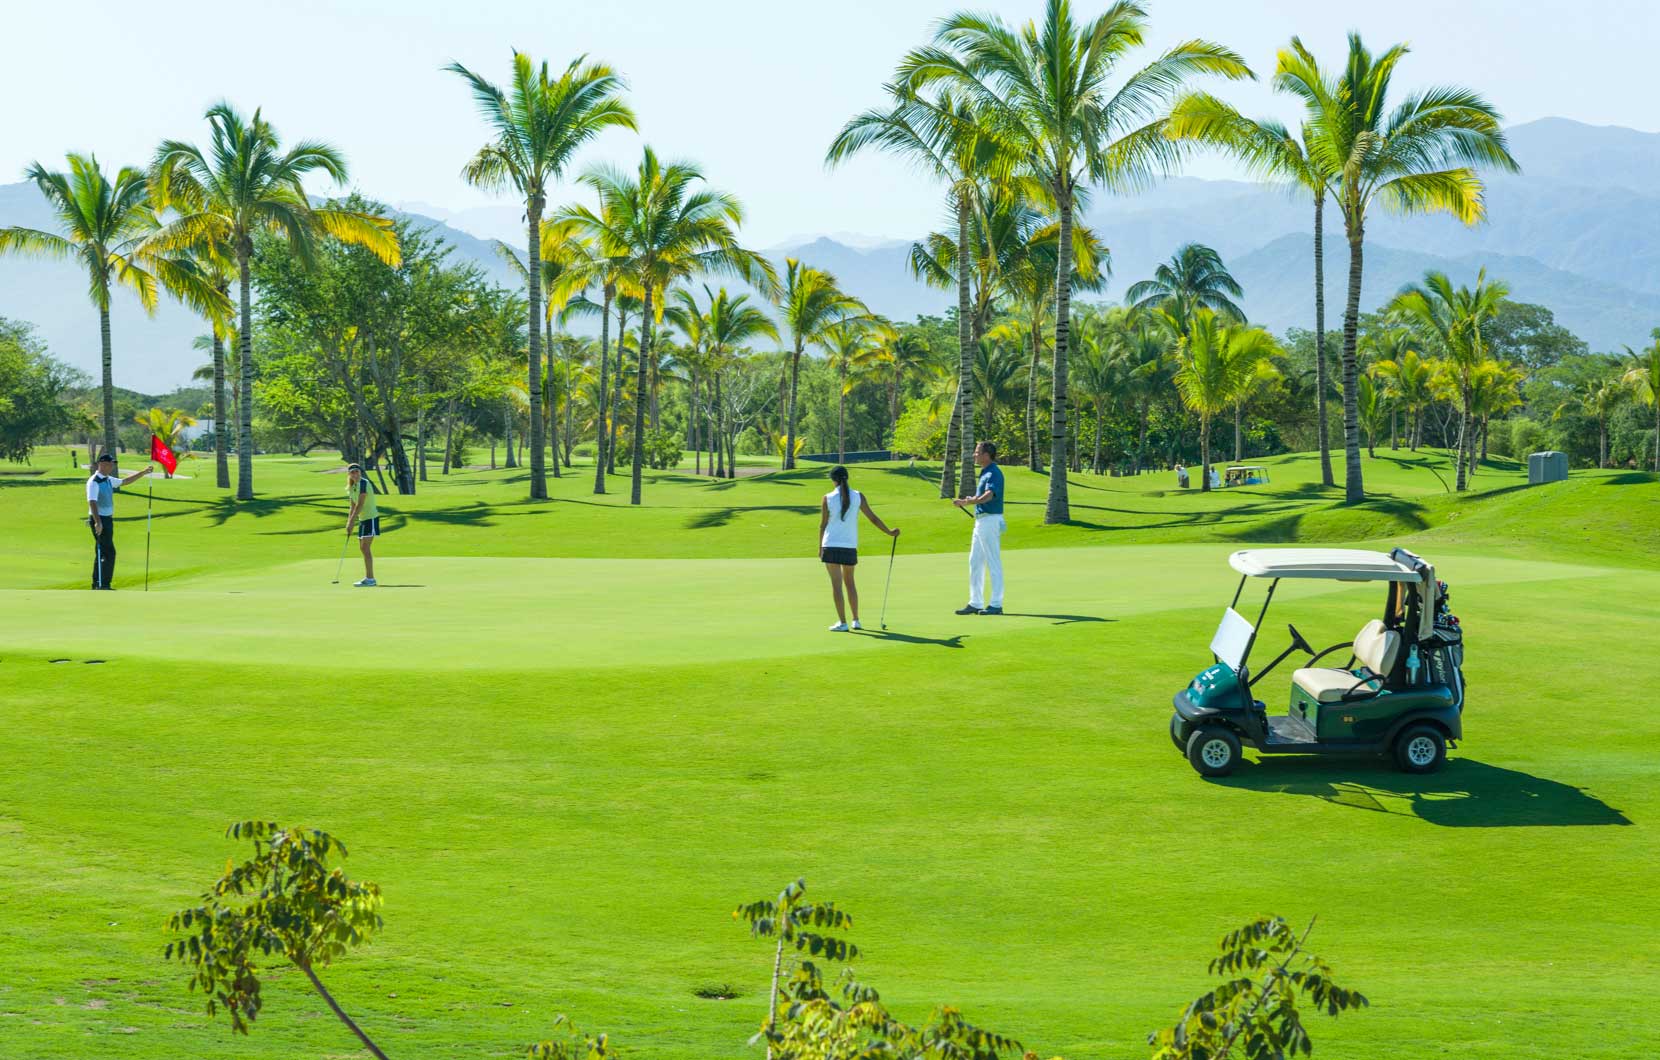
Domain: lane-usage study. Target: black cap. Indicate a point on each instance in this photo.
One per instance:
(105, 457)
(355, 467)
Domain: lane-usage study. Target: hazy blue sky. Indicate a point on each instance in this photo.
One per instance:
(753, 90)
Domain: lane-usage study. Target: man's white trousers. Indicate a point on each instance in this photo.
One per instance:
(985, 561)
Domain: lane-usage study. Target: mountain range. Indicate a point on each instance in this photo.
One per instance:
(1578, 230)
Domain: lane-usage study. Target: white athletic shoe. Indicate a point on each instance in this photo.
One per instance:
(856, 625)
(839, 627)
(364, 583)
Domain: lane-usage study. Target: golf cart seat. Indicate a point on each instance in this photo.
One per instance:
(1375, 649)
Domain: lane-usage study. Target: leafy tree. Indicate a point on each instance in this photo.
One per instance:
(245, 184)
(34, 399)
(797, 923)
(287, 902)
(1418, 157)
(1406, 377)
(108, 228)
(810, 304)
(1529, 335)
(539, 124)
(1253, 1014)
(1596, 398)
(1045, 90)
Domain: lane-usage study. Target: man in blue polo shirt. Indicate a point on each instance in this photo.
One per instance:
(985, 558)
(100, 508)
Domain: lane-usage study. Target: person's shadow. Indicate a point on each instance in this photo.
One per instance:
(909, 638)
(1465, 793)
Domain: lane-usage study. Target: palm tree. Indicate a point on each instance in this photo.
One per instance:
(948, 137)
(245, 184)
(1419, 157)
(1374, 410)
(1273, 153)
(1642, 375)
(167, 425)
(1407, 377)
(732, 323)
(667, 228)
(108, 227)
(1044, 89)
(1193, 278)
(1451, 318)
(539, 124)
(1495, 388)
(899, 356)
(848, 344)
(1216, 363)
(810, 305)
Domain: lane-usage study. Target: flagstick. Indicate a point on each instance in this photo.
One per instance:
(147, 507)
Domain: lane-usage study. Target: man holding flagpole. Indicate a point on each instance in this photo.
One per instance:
(100, 504)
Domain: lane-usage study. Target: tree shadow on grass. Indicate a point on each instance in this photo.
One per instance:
(712, 518)
(1631, 478)
(1464, 794)
(911, 638)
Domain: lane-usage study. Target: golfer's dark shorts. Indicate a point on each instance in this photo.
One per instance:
(846, 557)
(368, 527)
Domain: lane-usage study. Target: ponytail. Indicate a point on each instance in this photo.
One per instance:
(838, 475)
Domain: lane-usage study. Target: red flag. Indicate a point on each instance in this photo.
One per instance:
(163, 455)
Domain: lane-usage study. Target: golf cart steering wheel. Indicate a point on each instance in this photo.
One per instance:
(1298, 642)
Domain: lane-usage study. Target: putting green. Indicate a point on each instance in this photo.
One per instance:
(565, 769)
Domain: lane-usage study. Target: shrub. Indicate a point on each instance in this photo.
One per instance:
(919, 432)
(1524, 436)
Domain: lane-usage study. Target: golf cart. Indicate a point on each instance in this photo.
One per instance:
(1400, 693)
(1245, 475)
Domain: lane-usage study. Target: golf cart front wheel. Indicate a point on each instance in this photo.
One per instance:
(1421, 749)
(1213, 751)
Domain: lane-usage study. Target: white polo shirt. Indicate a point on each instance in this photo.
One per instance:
(101, 488)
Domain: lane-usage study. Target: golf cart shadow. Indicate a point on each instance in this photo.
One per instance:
(1464, 794)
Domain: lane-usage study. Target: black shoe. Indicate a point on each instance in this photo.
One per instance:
(991, 610)
(968, 609)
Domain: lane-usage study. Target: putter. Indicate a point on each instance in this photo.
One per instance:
(346, 544)
(889, 584)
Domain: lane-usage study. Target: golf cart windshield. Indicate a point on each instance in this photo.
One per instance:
(1233, 639)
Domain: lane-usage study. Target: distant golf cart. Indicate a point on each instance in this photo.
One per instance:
(1401, 693)
(1245, 475)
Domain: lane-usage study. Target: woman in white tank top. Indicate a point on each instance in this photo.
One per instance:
(838, 530)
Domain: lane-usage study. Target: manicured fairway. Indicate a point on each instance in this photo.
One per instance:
(567, 739)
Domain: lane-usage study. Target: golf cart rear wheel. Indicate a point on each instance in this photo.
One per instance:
(1176, 736)
(1420, 749)
(1213, 750)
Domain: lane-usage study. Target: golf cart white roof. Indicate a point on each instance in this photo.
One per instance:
(1340, 564)
(1247, 467)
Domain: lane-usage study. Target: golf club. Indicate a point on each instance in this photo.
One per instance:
(930, 482)
(344, 545)
(889, 585)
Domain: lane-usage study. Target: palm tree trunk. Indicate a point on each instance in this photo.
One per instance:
(1059, 509)
(1354, 486)
(1602, 441)
(948, 469)
(841, 413)
(1463, 437)
(1657, 432)
(245, 386)
(109, 385)
(1034, 456)
(341, 1013)
(789, 426)
(1323, 432)
(221, 441)
(1141, 438)
(1394, 436)
(550, 408)
(1238, 433)
(1096, 463)
(604, 353)
(1204, 454)
(965, 350)
(421, 434)
(616, 393)
(533, 288)
(640, 399)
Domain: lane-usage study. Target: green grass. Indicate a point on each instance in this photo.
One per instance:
(576, 734)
